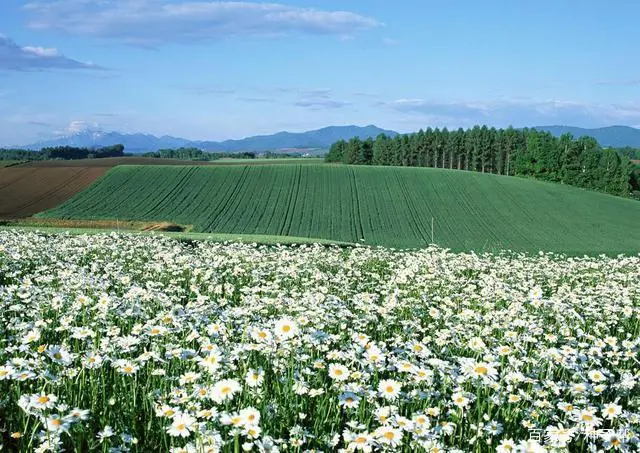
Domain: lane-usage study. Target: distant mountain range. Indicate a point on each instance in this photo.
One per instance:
(616, 136)
(139, 143)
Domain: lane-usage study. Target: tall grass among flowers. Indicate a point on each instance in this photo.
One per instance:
(131, 343)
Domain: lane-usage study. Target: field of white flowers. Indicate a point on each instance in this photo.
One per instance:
(137, 343)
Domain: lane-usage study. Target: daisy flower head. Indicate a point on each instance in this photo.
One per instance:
(338, 372)
(485, 371)
(261, 335)
(250, 416)
(286, 328)
(42, 401)
(460, 400)
(389, 389)
(389, 436)
(126, 367)
(349, 399)
(611, 411)
(254, 378)
(597, 376)
(359, 442)
(225, 390)
(182, 425)
(56, 423)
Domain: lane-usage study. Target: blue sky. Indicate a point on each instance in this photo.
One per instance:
(215, 70)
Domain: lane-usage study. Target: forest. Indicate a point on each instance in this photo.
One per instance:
(62, 152)
(195, 154)
(580, 162)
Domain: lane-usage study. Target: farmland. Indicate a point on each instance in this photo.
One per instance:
(9, 163)
(392, 207)
(134, 160)
(27, 188)
(25, 191)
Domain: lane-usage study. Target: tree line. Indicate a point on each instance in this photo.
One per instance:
(62, 153)
(196, 154)
(199, 155)
(579, 162)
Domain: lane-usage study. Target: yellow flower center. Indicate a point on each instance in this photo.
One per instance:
(225, 390)
(481, 369)
(389, 435)
(286, 328)
(43, 399)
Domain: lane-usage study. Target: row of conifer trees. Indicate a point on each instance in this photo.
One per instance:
(580, 162)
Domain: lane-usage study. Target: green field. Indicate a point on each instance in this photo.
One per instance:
(275, 160)
(372, 205)
(9, 163)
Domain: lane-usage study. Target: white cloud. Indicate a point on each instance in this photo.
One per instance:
(518, 113)
(79, 126)
(156, 22)
(41, 51)
(30, 58)
(322, 103)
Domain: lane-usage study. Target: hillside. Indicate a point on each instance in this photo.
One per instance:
(27, 188)
(137, 143)
(372, 205)
(614, 136)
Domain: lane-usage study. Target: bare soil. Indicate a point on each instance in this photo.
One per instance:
(25, 191)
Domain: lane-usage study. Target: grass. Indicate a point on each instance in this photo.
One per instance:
(184, 236)
(283, 160)
(392, 207)
(9, 163)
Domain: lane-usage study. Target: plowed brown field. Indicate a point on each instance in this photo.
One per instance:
(27, 190)
(108, 162)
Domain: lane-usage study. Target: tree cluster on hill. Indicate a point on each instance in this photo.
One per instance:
(196, 154)
(629, 152)
(518, 152)
(62, 153)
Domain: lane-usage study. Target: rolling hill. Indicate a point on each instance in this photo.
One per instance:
(386, 206)
(137, 143)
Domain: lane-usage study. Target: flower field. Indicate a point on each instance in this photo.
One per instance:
(139, 343)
